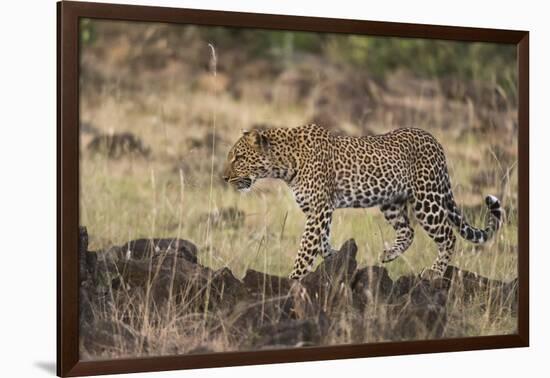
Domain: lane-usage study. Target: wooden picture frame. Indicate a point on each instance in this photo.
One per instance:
(68, 15)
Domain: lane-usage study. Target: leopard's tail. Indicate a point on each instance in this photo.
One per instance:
(467, 231)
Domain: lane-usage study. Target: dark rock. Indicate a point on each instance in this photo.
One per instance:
(143, 248)
(468, 286)
(269, 300)
(91, 264)
(201, 349)
(116, 283)
(115, 146)
(226, 290)
(100, 335)
(290, 333)
(256, 311)
(328, 287)
(341, 265)
(370, 285)
(87, 277)
(82, 253)
(470, 282)
(335, 269)
(170, 276)
(513, 290)
(403, 285)
(266, 311)
(85, 304)
(268, 285)
(419, 308)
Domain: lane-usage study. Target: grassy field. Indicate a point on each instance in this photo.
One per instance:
(189, 116)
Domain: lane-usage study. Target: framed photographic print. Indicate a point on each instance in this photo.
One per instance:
(240, 188)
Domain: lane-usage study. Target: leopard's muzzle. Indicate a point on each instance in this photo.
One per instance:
(240, 183)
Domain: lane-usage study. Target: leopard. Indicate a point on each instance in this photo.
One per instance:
(402, 171)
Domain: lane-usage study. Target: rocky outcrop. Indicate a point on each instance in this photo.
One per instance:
(262, 310)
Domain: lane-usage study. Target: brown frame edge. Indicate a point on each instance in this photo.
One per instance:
(67, 187)
(68, 13)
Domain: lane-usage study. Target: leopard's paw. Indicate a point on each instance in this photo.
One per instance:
(429, 274)
(390, 254)
(331, 252)
(435, 278)
(295, 275)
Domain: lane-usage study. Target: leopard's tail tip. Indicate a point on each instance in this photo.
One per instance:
(492, 202)
(497, 212)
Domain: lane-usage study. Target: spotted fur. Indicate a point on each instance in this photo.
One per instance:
(402, 168)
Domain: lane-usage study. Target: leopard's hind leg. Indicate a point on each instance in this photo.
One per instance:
(431, 214)
(396, 214)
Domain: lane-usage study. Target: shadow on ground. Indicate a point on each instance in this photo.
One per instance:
(47, 366)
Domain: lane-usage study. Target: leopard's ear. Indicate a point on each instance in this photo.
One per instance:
(256, 139)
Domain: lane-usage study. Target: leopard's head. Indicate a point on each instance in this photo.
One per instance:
(248, 160)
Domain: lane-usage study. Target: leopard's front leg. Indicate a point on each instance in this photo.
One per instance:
(314, 241)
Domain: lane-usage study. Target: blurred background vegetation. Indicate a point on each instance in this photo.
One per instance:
(426, 58)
